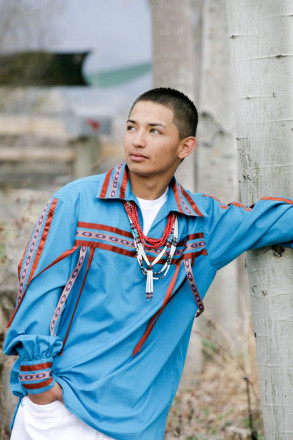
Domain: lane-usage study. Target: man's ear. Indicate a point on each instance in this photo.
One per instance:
(187, 146)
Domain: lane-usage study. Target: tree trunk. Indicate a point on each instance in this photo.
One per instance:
(174, 60)
(259, 36)
(217, 161)
(175, 64)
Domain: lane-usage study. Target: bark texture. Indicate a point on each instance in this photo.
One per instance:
(217, 159)
(261, 54)
(174, 58)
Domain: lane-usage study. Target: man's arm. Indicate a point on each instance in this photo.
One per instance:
(29, 334)
(235, 228)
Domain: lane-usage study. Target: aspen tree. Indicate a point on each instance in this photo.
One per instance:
(217, 160)
(260, 42)
(175, 65)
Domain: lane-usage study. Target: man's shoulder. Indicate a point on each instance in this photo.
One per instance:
(197, 200)
(209, 204)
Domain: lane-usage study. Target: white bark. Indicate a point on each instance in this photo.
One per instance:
(173, 59)
(260, 39)
(217, 159)
(174, 65)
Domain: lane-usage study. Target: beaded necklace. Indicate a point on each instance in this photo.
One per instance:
(169, 240)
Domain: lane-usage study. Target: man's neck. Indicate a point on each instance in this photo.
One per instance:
(148, 188)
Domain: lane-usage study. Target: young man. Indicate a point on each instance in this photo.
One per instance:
(112, 278)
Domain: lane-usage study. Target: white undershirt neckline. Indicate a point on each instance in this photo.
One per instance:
(150, 209)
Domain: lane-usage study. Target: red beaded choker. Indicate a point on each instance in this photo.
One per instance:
(169, 241)
(148, 242)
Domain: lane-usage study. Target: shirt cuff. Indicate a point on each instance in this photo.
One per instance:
(37, 377)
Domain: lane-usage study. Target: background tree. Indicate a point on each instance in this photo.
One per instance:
(217, 161)
(261, 44)
(176, 61)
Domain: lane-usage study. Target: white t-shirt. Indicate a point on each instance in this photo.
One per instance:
(149, 210)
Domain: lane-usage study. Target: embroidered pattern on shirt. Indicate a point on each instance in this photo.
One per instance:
(36, 376)
(67, 289)
(120, 241)
(115, 182)
(36, 246)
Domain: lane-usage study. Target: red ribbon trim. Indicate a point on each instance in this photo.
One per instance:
(156, 316)
(36, 367)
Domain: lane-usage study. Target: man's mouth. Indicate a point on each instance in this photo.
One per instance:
(137, 157)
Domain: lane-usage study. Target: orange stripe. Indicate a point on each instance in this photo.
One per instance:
(104, 228)
(215, 198)
(278, 199)
(128, 234)
(43, 239)
(84, 280)
(193, 237)
(106, 184)
(191, 202)
(190, 255)
(212, 197)
(122, 251)
(175, 191)
(62, 256)
(36, 367)
(154, 319)
(13, 315)
(35, 386)
(123, 185)
(21, 261)
(105, 247)
(239, 205)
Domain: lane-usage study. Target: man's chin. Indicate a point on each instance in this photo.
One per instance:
(139, 169)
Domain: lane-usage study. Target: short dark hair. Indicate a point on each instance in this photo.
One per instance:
(184, 110)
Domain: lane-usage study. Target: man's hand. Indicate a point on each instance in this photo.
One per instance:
(49, 396)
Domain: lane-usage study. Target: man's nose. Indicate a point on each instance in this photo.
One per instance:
(139, 139)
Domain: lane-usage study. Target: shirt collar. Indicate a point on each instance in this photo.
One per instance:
(116, 185)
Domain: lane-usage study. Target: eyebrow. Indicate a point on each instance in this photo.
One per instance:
(151, 124)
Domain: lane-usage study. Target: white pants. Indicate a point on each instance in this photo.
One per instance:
(50, 422)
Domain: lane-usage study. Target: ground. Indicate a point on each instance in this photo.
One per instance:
(215, 405)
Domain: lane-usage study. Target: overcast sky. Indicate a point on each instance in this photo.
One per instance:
(118, 30)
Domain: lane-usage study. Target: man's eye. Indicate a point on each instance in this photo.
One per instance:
(130, 128)
(154, 130)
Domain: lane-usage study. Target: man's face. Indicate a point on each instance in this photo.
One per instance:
(151, 141)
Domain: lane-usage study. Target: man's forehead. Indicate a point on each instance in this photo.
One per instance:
(151, 124)
(151, 112)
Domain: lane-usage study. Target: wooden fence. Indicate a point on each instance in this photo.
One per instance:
(37, 150)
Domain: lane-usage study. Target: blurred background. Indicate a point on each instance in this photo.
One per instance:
(69, 72)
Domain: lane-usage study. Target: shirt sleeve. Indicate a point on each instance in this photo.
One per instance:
(39, 291)
(235, 228)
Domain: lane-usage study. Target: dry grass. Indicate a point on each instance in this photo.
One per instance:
(217, 398)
